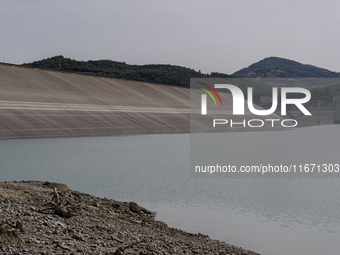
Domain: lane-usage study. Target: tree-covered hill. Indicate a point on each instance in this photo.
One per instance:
(162, 74)
(272, 67)
(275, 67)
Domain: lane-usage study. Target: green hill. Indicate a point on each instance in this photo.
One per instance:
(161, 74)
(274, 67)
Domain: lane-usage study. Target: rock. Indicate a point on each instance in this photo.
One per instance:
(9, 237)
(63, 246)
(19, 226)
(134, 207)
(78, 237)
(118, 252)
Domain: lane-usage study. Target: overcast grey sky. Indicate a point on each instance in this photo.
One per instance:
(214, 35)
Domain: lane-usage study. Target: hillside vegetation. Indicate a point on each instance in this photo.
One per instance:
(271, 67)
(275, 67)
(161, 74)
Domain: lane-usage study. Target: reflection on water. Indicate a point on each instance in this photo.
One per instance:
(154, 170)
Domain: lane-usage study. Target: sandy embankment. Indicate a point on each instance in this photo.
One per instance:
(95, 226)
(39, 103)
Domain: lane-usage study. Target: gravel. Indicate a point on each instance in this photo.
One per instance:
(94, 225)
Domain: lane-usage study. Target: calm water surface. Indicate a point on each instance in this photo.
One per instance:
(271, 216)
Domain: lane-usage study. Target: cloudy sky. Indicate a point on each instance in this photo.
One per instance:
(214, 35)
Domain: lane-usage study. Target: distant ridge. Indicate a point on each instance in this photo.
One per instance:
(275, 67)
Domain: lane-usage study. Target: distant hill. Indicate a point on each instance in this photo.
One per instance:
(274, 67)
(271, 67)
(162, 74)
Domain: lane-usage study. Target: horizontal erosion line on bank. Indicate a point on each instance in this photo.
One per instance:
(80, 107)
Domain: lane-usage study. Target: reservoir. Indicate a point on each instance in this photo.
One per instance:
(268, 215)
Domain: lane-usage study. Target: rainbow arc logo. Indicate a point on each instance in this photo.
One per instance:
(209, 93)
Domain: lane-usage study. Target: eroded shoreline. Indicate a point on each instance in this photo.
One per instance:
(95, 225)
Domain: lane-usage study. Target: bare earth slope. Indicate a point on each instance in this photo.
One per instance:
(39, 103)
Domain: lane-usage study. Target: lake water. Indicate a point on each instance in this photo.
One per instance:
(270, 216)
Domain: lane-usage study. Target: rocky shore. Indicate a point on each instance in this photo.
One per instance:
(49, 218)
